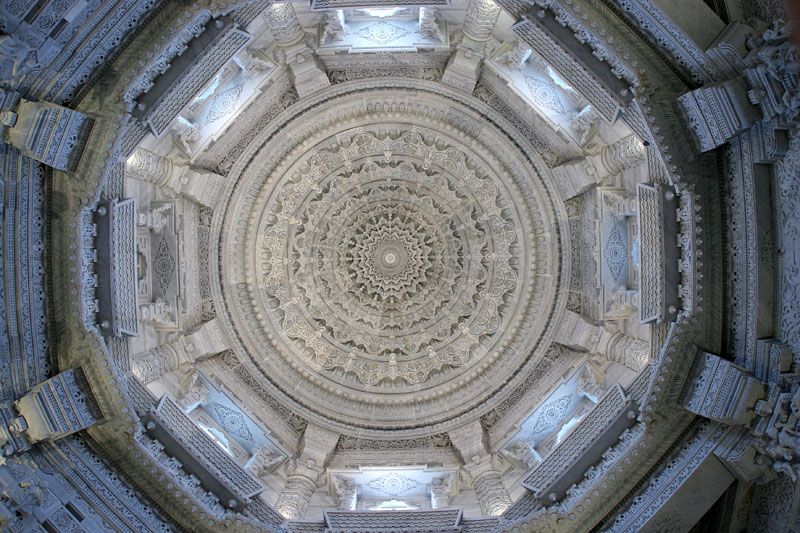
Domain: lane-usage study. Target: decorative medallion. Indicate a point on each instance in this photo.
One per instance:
(545, 95)
(552, 414)
(393, 484)
(163, 265)
(224, 103)
(382, 32)
(616, 252)
(232, 421)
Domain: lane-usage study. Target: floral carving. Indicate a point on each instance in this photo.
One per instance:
(163, 265)
(544, 95)
(393, 484)
(224, 103)
(232, 421)
(616, 252)
(381, 257)
(552, 414)
(382, 32)
(390, 260)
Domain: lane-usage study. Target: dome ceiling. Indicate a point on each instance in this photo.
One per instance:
(392, 258)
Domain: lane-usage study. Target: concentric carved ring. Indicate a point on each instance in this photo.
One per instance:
(388, 252)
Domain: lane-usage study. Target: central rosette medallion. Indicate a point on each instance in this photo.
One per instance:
(391, 262)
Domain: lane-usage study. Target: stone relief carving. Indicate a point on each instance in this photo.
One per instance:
(185, 134)
(516, 55)
(393, 484)
(545, 95)
(232, 421)
(382, 32)
(224, 103)
(393, 258)
(552, 414)
(428, 25)
(616, 252)
(339, 350)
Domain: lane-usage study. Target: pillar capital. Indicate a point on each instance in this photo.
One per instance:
(303, 64)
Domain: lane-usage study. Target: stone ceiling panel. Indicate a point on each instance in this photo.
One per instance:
(390, 258)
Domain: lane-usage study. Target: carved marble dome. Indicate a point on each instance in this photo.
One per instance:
(401, 257)
(442, 266)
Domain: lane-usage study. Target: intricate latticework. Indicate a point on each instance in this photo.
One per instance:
(170, 416)
(443, 520)
(651, 238)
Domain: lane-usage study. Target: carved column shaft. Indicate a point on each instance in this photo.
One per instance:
(293, 501)
(318, 444)
(578, 333)
(492, 495)
(464, 67)
(150, 365)
(623, 154)
(201, 342)
(284, 25)
(307, 73)
(486, 481)
(628, 351)
(201, 186)
(481, 17)
(148, 167)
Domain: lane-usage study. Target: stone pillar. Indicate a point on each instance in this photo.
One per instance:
(150, 365)
(306, 71)
(465, 64)
(491, 493)
(203, 341)
(148, 167)
(293, 501)
(486, 480)
(616, 157)
(628, 351)
(576, 177)
(578, 333)
(480, 19)
(200, 185)
(318, 444)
